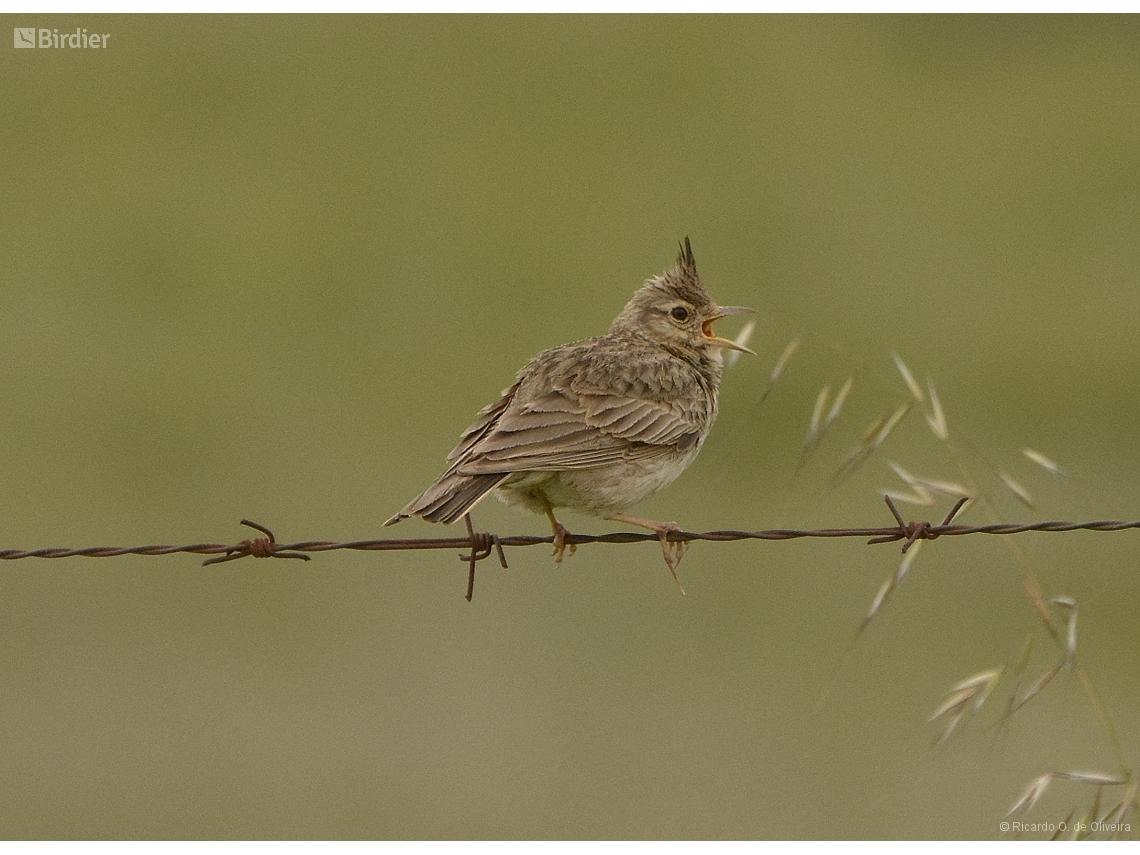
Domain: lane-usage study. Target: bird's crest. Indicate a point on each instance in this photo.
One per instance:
(685, 260)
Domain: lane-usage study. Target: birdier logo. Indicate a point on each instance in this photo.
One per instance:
(30, 37)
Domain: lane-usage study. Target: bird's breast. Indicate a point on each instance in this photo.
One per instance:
(603, 490)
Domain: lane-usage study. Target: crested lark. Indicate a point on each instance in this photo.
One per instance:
(598, 425)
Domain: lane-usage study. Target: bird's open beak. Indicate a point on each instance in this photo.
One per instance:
(713, 338)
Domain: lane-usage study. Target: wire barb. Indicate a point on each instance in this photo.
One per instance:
(913, 531)
(258, 547)
(481, 545)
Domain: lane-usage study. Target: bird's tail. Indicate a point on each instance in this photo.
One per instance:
(449, 498)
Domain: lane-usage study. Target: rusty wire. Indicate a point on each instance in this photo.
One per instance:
(482, 544)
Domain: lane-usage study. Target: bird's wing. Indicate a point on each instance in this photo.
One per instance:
(554, 422)
(484, 423)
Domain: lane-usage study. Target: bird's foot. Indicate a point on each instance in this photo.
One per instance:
(560, 544)
(673, 551)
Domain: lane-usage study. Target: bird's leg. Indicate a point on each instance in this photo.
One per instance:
(673, 551)
(560, 532)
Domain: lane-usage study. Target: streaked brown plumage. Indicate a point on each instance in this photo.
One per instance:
(598, 425)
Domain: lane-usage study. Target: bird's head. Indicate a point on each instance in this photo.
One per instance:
(674, 309)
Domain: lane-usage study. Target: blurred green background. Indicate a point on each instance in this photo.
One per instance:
(270, 267)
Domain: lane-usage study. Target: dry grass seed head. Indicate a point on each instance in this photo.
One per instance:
(1071, 636)
(896, 417)
(936, 418)
(793, 345)
(919, 496)
(837, 405)
(1082, 828)
(950, 728)
(1070, 605)
(1099, 779)
(1062, 825)
(966, 698)
(908, 378)
(1017, 490)
(1042, 461)
(903, 474)
(742, 340)
(916, 498)
(1033, 793)
(877, 603)
(784, 359)
(1036, 688)
(892, 582)
(945, 488)
(1018, 673)
(907, 560)
(873, 437)
(954, 701)
(1125, 805)
(982, 684)
(817, 416)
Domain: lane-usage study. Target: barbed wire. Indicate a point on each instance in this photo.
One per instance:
(483, 544)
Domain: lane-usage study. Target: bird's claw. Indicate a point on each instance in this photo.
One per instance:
(673, 551)
(560, 544)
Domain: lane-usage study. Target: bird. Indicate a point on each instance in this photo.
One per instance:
(600, 424)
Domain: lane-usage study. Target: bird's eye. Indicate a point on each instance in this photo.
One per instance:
(680, 313)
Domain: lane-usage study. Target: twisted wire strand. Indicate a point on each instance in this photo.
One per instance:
(484, 543)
